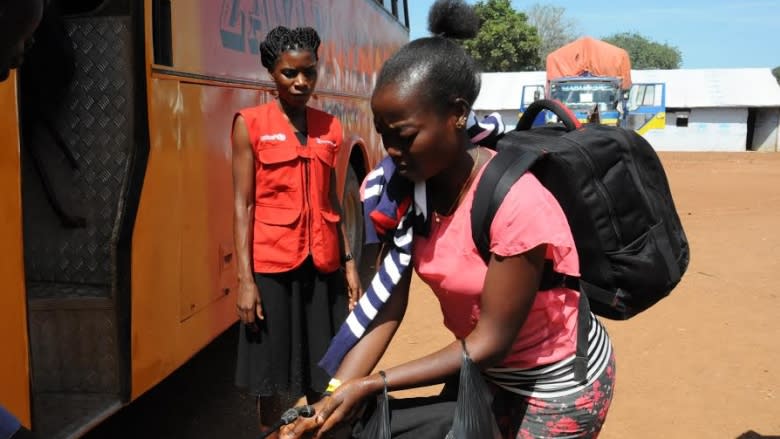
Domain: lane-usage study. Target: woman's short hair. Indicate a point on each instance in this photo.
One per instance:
(282, 39)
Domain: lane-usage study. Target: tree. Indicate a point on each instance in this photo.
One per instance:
(506, 42)
(553, 28)
(776, 72)
(646, 54)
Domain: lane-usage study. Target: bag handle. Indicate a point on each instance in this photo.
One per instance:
(563, 112)
(384, 382)
(465, 351)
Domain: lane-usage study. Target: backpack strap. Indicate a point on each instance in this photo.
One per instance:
(583, 330)
(500, 174)
(552, 279)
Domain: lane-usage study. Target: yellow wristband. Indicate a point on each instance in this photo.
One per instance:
(333, 384)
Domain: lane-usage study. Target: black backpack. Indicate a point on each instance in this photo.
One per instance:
(613, 189)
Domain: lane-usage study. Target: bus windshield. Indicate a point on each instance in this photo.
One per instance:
(584, 95)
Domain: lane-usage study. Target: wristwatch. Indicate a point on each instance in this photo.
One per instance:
(347, 257)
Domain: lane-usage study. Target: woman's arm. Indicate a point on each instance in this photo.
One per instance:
(355, 290)
(248, 297)
(509, 292)
(365, 355)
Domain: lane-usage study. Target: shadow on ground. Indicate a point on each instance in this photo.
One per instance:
(753, 435)
(198, 401)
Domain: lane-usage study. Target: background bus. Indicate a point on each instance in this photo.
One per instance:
(116, 213)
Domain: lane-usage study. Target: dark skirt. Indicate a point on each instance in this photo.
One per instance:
(303, 309)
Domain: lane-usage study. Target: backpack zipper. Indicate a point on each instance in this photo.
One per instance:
(600, 188)
(640, 176)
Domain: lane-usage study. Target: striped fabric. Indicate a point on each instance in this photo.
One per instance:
(487, 131)
(383, 195)
(557, 379)
(397, 209)
(8, 424)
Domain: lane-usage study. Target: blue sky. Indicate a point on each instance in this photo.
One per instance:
(709, 33)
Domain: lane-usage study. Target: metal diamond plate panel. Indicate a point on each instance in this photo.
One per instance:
(95, 122)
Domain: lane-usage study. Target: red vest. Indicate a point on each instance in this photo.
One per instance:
(293, 214)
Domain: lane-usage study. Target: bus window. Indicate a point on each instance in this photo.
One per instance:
(403, 12)
(637, 96)
(645, 103)
(531, 93)
(649, 95)
(162, 38)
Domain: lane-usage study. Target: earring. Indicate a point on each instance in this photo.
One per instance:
(461, 123)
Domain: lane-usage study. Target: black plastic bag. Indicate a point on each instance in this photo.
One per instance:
(473, 412)
(378, 425)
(470, 417)
(423, 417)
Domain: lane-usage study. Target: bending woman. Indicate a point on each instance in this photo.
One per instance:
(523, 339)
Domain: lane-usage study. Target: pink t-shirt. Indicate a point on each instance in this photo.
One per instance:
(448, 261)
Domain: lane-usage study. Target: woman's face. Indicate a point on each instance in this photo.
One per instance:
(295, 75)
(420, 140)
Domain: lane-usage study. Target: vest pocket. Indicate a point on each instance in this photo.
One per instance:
(326, 153)
(330, 216)
(326, 242)
(278, 173)
(274, 215)
(271, 153)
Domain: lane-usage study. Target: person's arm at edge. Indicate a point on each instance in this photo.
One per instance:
(365, 355)
(350, 267)
(509, 292)
(243, 216)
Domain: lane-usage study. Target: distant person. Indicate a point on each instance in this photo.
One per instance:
(18, 21)
(594, 116)
(517, 318)
(297, 277)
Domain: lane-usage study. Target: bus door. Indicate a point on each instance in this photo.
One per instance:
(82, 124)
(532, 93)
(646, 107)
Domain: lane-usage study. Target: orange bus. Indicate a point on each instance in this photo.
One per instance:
(115, 175)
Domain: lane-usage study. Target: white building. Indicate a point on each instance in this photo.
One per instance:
(706, 109)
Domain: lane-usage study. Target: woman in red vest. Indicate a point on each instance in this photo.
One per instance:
(289, 237)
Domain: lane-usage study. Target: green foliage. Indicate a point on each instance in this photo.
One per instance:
(646, 54)
(506, 42)
(553, 27)
(776, 72)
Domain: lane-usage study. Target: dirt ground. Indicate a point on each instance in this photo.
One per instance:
(704, 362)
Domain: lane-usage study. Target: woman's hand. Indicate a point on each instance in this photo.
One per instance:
(302, 425)
(344, 405)
(354, 290)
(248, 302)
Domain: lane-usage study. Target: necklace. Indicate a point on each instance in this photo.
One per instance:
(466, 184)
